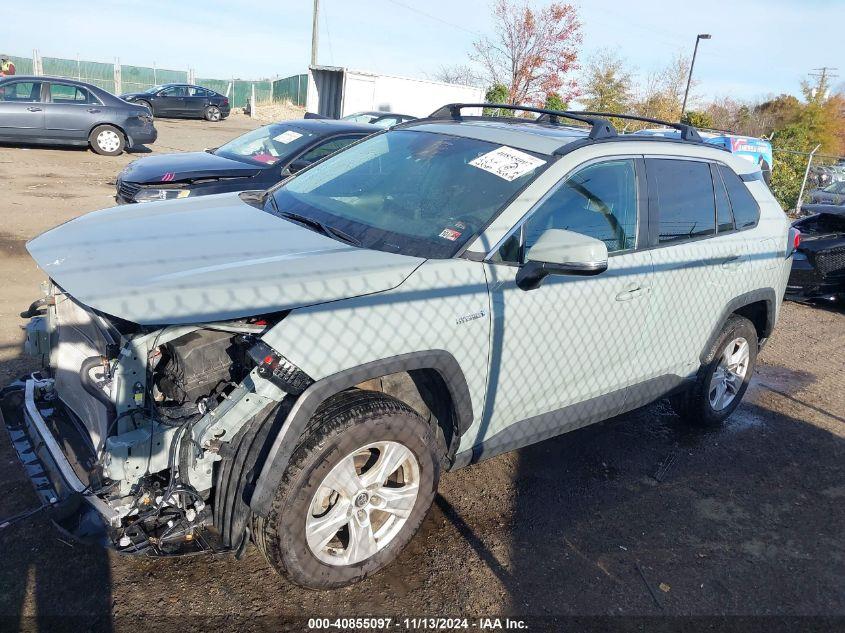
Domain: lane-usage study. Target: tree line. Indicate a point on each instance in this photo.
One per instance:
(533, 57)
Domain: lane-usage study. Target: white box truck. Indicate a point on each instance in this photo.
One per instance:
(334, 92)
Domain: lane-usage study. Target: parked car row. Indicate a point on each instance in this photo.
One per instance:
(57, 111)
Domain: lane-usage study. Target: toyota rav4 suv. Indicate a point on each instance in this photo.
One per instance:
(297, 367)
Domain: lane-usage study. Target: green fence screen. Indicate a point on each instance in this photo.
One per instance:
(97, 73)
(291, 89)
(23, 65)
(139, 78)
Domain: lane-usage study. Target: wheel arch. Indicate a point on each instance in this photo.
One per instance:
(758, 306)
(435, 374)
(119, 128)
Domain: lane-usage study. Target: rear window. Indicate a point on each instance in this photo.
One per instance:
(745, 207)
(685, 199)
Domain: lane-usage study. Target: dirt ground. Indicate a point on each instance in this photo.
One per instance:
(638, 516)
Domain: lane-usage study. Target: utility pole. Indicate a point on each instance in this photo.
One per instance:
(698, 38)
(824, 77)
(315, 33)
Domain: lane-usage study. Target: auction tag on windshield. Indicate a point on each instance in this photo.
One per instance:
(507, 163)
(450, 234)
(287, 137)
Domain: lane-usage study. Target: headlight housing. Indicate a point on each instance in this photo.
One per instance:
(151, 195)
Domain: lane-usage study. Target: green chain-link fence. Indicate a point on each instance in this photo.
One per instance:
(139, 78)
(291, 89)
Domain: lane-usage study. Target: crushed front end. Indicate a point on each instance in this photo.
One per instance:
(125, 429)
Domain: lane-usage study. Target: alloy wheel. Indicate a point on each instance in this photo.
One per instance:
(363, 503)
(729, 374)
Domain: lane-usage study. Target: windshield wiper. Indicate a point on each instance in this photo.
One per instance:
(330, 231)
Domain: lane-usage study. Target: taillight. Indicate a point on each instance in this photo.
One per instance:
(225, 101)
(794, 241)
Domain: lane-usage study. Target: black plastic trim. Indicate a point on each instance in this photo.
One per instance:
(303, 409)
(572, 417)
(761, 294)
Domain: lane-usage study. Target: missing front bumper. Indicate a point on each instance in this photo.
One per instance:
(73, 506)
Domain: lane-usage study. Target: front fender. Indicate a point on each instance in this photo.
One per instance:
(303, 409)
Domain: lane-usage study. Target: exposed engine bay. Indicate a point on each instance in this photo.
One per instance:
(154, 407)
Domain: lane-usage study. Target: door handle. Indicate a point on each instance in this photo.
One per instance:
(632, 292)
(93, 110)
(34, 109)
(733, 262)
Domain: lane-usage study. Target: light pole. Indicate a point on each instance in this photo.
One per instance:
(700, 36)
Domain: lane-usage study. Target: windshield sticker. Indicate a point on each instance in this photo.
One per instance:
(507, 163)
(450, 234)
(287, 137)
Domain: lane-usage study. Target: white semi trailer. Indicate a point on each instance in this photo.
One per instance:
(334, 92)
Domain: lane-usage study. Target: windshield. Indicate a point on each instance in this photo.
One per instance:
(267, 145)
(836, 187)
(411, 192)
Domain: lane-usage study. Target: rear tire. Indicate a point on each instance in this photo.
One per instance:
(354, 494)
(724, 376)
(107, 140)
(212, 113)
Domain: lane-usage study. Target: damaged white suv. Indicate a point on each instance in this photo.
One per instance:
(297, 367)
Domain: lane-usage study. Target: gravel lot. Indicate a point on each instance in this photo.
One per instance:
(639, 515)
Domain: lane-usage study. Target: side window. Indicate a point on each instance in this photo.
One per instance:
(599, 201)
(65, 93)
(745, 207)
(197, 92)
(329, 147)
(724, 217)
(174, 91)
(21, 91)
(685, 198)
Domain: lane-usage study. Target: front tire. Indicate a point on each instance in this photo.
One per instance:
(212, 113)
(355, 492)
(107, 140)
(723, 378)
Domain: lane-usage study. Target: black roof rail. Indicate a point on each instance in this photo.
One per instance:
(688, 132)
(599, 126)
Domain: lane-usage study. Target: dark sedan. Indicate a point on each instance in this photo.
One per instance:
(256, 160)
(182, 100)
(818, 266)
(54, 111)
(834, 193)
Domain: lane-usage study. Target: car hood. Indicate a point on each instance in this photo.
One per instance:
(206, 259)
(186, 167)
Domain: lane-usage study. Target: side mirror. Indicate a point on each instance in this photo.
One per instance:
(296, 166)
(560, 252)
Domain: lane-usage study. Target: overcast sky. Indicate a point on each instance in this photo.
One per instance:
(759, 47)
